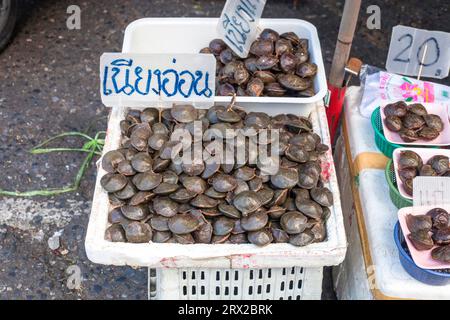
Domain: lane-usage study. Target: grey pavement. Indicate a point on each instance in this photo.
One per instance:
(49, 84)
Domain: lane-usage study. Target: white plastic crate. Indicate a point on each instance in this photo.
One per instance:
(295, 283)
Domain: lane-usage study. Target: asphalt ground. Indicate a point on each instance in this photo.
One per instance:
(49, 84)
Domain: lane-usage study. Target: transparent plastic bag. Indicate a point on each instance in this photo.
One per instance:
(381, 87)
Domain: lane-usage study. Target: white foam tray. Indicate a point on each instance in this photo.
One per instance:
(330, 252)
(189, 35)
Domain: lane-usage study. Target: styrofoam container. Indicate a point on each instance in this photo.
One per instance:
(189, 35)
(443, 139)
(425, 153)
(330, 252)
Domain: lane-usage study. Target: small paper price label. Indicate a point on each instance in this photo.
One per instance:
(431, 191)
(238, 24)
(412, 48)
(135, 80)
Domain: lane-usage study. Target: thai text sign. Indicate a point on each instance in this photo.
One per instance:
(137, 79)
(238, 24)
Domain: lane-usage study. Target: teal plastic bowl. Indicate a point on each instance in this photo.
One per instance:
(386, 147)
(396, 197)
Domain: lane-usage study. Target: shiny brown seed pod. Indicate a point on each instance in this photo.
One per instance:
(217, 46)
(113, 182)
(413, 121)
(274, 90)
(428, 134)
(115, 233)
(260, 238)
(310, 209)
(223, 226)
(255, 87)
(293, 82)
(306, 70)
(322, 196)
(262, 47)
(394, 123)
(182, 195)
(161, 236)
(147, 181)
(247, 202)
(159, 223)
(127, 192)
(111, 160)
(149, 115)
(266, 62)
(142, 162)
(195, 184)
(418, 109)
(302, 239)
(439, 163)
(116, 216)
(254, 221)
(293, 222)
(164, 206)
(285, 178)
(138, 232)
(202, 201)
(434, 122)
(395, 109)
(269, 34)
(183, 223)
(203, 234)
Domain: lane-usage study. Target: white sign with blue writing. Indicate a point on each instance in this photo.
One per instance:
(135, 80)
(238, 24)
(413, 51)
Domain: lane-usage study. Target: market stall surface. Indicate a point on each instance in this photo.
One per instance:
(49, 85)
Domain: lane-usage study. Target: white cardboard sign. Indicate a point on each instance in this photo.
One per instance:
(238, 24)
(407, 48)
(431, 191)
(135, 80)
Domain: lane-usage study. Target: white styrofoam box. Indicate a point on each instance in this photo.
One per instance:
(295, 283)
(189, 35)
(329, 252)
(350, 278)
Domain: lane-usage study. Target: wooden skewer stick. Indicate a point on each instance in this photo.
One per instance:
(422, 60)
(233, 101)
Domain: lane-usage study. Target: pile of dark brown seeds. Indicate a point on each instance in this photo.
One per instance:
(410, 165)
(412, 122)
(277, 66)
(431, 231)
(155, 199)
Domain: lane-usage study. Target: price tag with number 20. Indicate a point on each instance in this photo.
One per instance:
(412, 48)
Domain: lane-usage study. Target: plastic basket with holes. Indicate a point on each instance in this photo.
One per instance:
(294, 283)
(396, 197)
(383, 145)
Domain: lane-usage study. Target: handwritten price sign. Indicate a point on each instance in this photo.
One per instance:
(414, 49)
(138, 79)
(238, 24)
